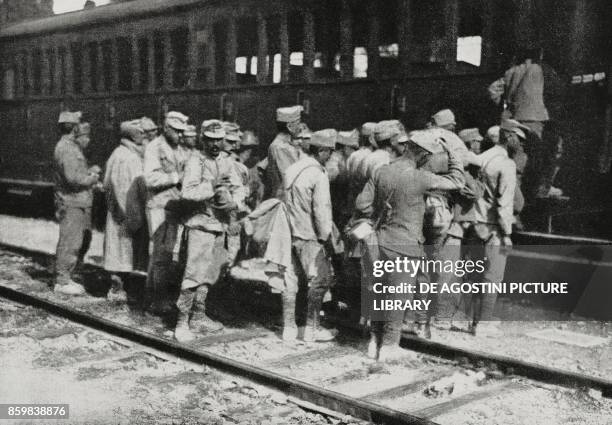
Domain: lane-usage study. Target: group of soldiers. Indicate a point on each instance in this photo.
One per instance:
(177, 195)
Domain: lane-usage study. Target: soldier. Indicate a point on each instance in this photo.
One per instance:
(247, 156)
(212, 184)
(163, 172)
(385, 152)
(308, 202)
(444, 119)
(355, 163)
(489, 236)
(74, 183)
(283, 150)
(189, 140)
(472, 139)
(124, 251)
(337, 171)
(396, 195)
(149, 127)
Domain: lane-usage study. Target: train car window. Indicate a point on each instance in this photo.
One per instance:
(106, 67)
(221, 39)
(50, 54)
(428, 36)
(25, 81)
(295, 24)
(77, 66)
(388, 49)
(273, 58)
(158, 53)
(8, 91)
(62, 69)
(202, 58)
(327, 40)
(124, 64)
(143, 57)
(37, 71)
(360, 33)
(179, 40)
(469, 41)
(246, 51)
(94, 71)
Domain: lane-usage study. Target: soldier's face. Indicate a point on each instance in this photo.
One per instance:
(189, 141)
(213, 146)
(151, 134)
(173, 136)
(324, 155)
(139, 138)
(83, 140)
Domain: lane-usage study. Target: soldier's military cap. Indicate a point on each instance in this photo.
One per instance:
(249, 140)
(515, 127)
(349, 138)
(130, 129)
(324, 138)
(67, 117)
(385, 130)
(213, 129)
(289, 114)
(444, 117)
(427, 140)
(148, 124)
(176, 120)
(232, 132)
(190, 131)
(470, 135)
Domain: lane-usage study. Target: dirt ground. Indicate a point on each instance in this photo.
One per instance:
(105, 380)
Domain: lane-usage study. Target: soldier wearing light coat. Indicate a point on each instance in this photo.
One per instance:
(125, 251)
(308, 202)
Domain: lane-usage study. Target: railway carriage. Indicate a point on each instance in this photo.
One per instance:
(345, 61)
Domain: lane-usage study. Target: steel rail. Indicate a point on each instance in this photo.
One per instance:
(292, 387)
(510, 365)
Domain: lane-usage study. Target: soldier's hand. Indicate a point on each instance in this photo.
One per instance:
(223, 181)
(95, 170)
(444, 145)
(507, 242)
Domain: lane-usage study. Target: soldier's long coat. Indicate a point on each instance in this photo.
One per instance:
(125, 248)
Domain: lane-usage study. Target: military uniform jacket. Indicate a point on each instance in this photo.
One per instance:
(403, 187)
(524, 87)
(308, 200)
(163, 170)
(201, 172)
(73, 181)
(281, 154)
(498, 173)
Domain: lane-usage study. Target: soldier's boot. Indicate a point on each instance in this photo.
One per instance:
(373, 346)
(313, 332)
(290, 329)
(182, 332)
(66, 286)
(117, 291)
(200, 321)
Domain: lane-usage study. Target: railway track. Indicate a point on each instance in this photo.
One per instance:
(332, 378)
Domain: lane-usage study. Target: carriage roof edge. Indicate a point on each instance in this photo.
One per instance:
(97, 16)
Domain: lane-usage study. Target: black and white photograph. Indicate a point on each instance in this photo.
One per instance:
(306, 212)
